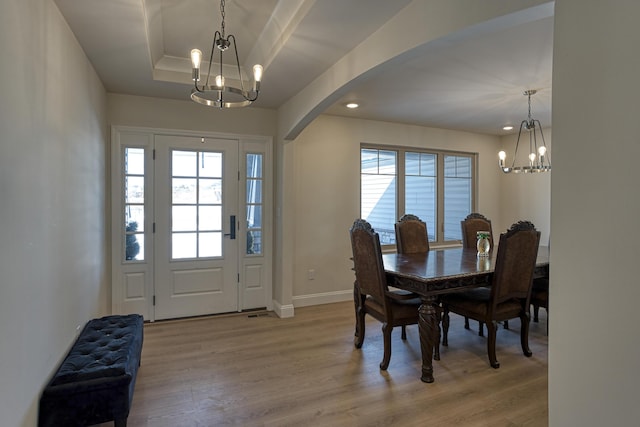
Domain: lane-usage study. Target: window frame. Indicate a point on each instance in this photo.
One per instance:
(440, 184)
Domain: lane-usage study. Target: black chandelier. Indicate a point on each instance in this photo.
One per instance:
(539, 158)
(222, 93)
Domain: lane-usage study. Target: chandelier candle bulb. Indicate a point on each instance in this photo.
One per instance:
(196, 58)
(257, 72)
(257, 77)
(541, 152)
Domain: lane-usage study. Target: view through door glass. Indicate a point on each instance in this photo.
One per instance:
(196, 226)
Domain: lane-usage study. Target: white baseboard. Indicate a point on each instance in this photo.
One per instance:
(323, 298)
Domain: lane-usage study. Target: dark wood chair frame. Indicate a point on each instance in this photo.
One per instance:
(372, 295)
(510, 292)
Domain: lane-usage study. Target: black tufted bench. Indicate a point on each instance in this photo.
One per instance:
(95, 382)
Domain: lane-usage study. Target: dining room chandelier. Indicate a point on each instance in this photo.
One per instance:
(223, 92)
(539, 159)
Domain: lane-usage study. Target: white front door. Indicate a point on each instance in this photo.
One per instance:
(177, 200)
(196, 244)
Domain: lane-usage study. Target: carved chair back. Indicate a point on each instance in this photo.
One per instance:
(515, 264)
(473, 223)
(411, 235)
(367, 261)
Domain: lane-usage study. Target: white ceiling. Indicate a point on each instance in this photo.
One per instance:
(473, 83)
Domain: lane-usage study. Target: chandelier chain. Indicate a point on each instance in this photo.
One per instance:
(222, 14)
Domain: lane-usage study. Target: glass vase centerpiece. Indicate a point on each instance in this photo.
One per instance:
(484, 244)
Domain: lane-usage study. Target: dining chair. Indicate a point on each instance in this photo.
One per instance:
(470, 226)
(540, 298)
(473, 223)
(540, 295)
(411, 235)
(372, 294)
(510, 292)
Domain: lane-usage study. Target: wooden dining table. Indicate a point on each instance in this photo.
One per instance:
(440, 272)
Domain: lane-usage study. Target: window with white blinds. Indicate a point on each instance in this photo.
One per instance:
(437, 186)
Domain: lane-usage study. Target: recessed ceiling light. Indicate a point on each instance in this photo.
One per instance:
(352, 105)
(508, 127)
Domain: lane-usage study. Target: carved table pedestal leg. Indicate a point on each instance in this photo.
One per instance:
(429, 336)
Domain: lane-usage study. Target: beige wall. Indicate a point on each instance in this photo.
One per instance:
(594, 344)
(127, 110)
(53, 246)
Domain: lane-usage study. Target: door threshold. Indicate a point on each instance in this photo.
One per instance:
(254, 312)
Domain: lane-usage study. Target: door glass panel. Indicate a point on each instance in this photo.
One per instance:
(254, 191)
(184, 163)
(210, 190)
(134, 189)
(134, 161)
(254, 165)
(184, 245)
(254, 244)
(254, 180)
(134, 250)
(134, 218)
(132, 242)
(254, 216)
(210, 244)
(210, 165)
(196, 204)
(184, 218)
(210, 218)
(184, 190)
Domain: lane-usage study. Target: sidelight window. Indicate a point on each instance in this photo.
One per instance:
(134, 195)
(254, 202)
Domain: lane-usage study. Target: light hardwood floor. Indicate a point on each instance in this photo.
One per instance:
(304, 371)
